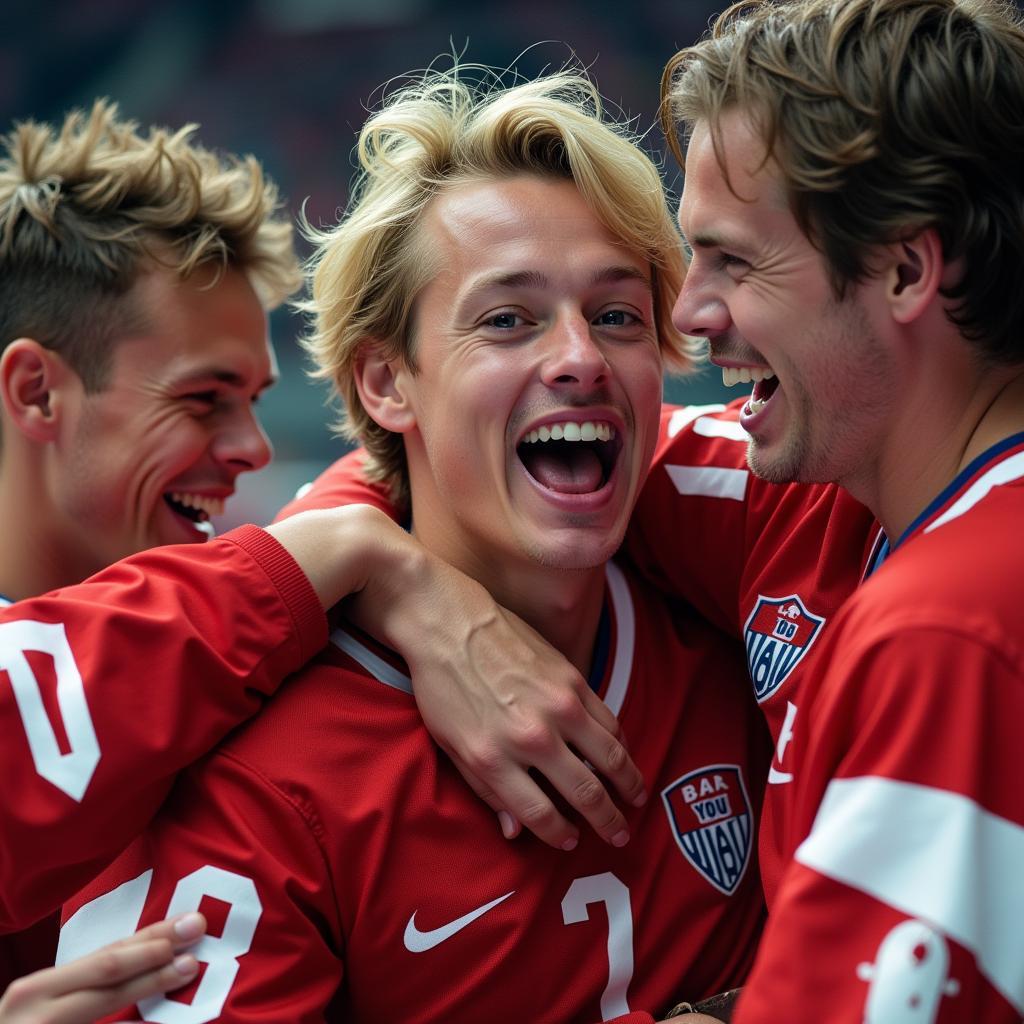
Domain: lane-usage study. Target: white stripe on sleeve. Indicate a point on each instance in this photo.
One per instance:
(934, 855)
(709, 481)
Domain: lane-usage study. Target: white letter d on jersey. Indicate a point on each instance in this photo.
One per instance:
(70, 772)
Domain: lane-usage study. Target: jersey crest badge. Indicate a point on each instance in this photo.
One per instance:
(778, 633)
(710, 816)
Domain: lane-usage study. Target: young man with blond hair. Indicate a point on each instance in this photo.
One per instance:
(495, 306)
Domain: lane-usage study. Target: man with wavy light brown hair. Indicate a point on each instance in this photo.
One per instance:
(854, 188)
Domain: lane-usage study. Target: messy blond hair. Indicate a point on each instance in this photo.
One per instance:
(885, 118)
(431, 136)
(84, 210)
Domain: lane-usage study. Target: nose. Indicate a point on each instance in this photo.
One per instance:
(699, 309)
(242, 443)
(572, 356)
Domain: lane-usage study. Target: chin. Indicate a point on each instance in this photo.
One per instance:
(574, 556)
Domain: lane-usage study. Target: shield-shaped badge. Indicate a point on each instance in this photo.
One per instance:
(778, 633)
(710, 817)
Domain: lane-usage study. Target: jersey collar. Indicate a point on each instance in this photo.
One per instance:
(1000, 464)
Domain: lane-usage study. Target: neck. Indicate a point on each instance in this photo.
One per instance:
(952, 421)
(33, 558)
(562, 605)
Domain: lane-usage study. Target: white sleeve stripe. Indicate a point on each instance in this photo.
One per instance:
(687, 414)
(709, 481)
(707, 426)
(934, 855)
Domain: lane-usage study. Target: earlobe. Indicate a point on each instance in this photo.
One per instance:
(915, 275)
(30, 375)
(383, 386)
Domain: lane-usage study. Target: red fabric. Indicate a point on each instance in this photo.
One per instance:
(174, 648)
(336, 811)
(917, 704)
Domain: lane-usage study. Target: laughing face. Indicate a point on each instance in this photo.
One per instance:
(824, 384)
(534, 405)
(149, 458)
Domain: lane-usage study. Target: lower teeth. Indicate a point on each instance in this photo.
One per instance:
(755, 405)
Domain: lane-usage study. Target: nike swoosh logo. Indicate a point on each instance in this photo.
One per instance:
(777, 778)
(419, 942)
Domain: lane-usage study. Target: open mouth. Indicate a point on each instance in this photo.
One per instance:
(196, 507)
(571, 457)
(764, 380)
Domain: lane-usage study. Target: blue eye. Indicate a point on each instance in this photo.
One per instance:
(616, 318)
(504, 321)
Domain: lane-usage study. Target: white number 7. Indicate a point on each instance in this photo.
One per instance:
(607, 889)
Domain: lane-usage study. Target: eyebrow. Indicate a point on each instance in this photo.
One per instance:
(535, 279)
(228, 377)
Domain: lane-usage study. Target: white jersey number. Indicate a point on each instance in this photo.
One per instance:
(607, 889)
(70, 772)
(116, 914)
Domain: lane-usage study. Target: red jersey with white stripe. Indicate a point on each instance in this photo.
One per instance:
(108, 688)
(350, 874)
(905, 820)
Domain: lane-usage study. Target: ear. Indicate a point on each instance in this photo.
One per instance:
(384, 389)
(914, 275)
(30, 378)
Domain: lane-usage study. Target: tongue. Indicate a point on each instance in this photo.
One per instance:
(575, 470)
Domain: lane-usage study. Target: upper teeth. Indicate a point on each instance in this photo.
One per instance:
(211, 506)
(570, 431)
(744, 375)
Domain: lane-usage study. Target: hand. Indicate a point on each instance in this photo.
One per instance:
(692, 1018)
(80, 992)
(498, 699)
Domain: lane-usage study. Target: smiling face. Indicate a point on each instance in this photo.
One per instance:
(825, 384)
(533, 409)
(151, 456)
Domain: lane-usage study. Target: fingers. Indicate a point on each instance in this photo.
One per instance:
(603, 746)
(141, 978)
(108, 980)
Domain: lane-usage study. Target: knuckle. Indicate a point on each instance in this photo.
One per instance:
(533, 738)
(483, 759)
(106, 967)
(617, 758)
(566, 706)
(537, 815)
(20, 992)
(588, 794)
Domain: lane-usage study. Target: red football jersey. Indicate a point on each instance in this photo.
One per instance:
(112, 686)
(905, 820)
(769, 563)
(350, 874)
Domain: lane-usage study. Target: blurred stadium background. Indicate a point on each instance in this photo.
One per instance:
(291, 81)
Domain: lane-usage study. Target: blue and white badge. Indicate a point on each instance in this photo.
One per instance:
(778, 633)
(710, 817)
